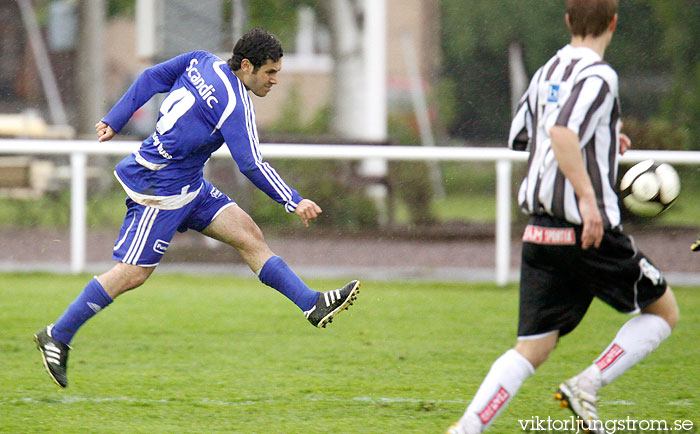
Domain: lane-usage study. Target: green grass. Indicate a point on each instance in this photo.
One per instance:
(214, 354)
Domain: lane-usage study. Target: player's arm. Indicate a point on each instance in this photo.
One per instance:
(521, 126)
(156, 79)
(565, 144)
(575, 124)
(242, 144)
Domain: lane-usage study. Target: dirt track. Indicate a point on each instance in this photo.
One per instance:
(472, 247)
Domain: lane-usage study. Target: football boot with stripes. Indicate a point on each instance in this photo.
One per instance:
(331, 303)
(54, 354)
(582, 404)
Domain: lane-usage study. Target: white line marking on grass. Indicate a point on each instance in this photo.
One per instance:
(400, 400)
(219, 402)
(126, 399)
(682, 403)
(618, 402)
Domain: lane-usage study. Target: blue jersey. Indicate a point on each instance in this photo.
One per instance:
(206, 106)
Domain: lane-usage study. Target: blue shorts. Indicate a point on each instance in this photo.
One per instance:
(146, 232)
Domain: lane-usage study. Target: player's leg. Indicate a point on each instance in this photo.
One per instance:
(53, 340)
(234, 227)
(549, 306)
(617, 267)
(636, 339)
(98, 294)
(140, 243)
(138, 250)
(665, 307)
(503, 381)
(220, 218)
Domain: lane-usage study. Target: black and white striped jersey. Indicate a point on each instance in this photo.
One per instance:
(575, 89)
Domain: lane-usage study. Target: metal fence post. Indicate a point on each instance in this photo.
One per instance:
(78, 205)
(503, 176)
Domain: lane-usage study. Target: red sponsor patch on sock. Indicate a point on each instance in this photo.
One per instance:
(609, 358)
(494, 405)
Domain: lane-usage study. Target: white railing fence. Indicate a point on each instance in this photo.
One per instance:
(502, 157)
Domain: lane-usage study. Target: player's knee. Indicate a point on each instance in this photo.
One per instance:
(137, 280)
(134, 276)
(672, 315)
(535, 354)
(253, 239)
(665, 307)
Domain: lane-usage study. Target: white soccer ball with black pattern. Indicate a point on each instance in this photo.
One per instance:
(649, 188)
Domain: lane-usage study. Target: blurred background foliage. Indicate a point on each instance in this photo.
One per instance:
(655, 51)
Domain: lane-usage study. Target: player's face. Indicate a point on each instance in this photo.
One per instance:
(261, 81)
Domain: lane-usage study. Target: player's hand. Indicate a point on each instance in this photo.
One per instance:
(307, 210)
(625, 143)
(592, 233)
(104, 132)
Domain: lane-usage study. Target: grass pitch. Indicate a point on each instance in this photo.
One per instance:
(217, 354)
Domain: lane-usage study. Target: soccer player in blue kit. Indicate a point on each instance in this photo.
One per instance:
(207, 104)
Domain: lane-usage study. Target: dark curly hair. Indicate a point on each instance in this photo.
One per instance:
(258, 46)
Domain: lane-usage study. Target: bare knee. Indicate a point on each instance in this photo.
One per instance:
(537, 351)
(665, 307)
(237, 229)
(124, 277)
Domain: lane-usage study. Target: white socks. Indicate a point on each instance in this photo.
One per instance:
(502, 382)
(635, 340)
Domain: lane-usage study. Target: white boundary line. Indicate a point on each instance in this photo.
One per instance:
(207, 401)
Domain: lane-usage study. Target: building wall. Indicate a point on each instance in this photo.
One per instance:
(305, 84)
(314, 84)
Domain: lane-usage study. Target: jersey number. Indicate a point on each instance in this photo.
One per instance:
(174, 106)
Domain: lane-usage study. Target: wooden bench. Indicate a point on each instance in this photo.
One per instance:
(23, 177)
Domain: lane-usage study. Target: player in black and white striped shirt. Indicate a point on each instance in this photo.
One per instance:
(575, 89)
(573, 247)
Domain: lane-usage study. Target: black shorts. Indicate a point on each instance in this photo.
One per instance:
(559, 279)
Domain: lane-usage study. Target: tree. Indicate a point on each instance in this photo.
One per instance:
(476, 36)
(681, 38)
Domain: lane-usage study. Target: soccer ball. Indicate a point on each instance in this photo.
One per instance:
(649, 188)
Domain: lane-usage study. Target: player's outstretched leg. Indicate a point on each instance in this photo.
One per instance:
(635, 340)
(331, 303)
(54, 355)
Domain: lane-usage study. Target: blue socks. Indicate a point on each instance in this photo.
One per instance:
(89, 302)
(277, 274)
